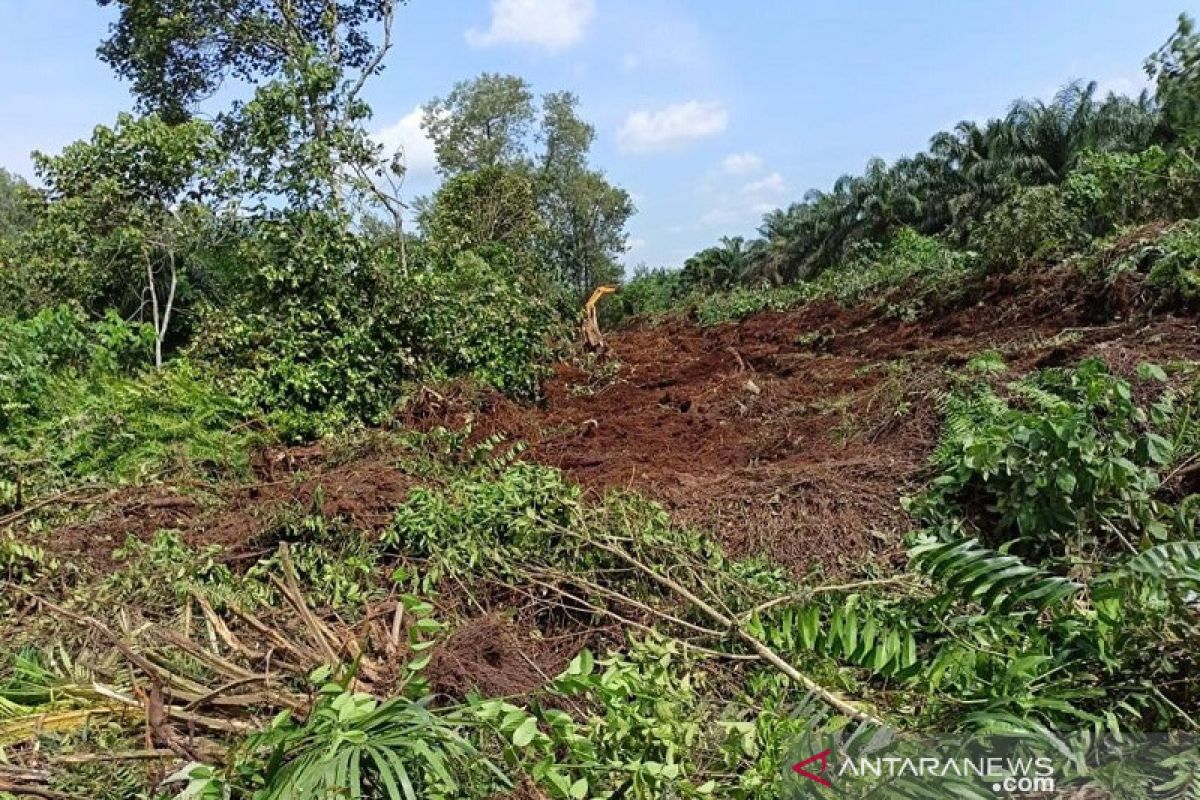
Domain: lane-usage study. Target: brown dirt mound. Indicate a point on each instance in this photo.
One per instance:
(491, 655)
(362, 492)
(794, 434)
(136, 512)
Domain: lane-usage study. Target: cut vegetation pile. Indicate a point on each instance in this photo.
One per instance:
(794, 437)
(307, 490)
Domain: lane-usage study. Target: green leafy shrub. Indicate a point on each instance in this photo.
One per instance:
(923, 266)
(74, 405)
(60, 342)
(306, 341)
(479, 319)
(1071, 459)
(649, 732)
(647, 292)
(1175, 265)
(482, 210)
(476, 523)
(1036, 223)
(326, 337)
(1075, 611)
(741, 302)
(1111, 189)
(353, 745)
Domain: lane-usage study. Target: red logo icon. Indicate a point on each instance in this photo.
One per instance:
(823, 757)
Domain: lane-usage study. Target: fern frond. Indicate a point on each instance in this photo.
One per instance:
(1173, 563)
(997, 582)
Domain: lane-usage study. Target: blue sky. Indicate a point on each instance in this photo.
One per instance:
(707, 111)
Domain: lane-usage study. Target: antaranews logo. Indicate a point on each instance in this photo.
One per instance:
(862, 763)
(800, 768)
(862, 775)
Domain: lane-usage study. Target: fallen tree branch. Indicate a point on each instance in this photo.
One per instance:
(61, 497)
(290, 587)
(732, 624)
(30, 790)
(129, 755)
(805, 594)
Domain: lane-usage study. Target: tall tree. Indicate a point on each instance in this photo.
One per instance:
(16, 215)
(1175, 70)
(120, 207)
(584, 214)
(483, 122)
(177, 53)
(1047, 138)
(302, 131)
(489, 125)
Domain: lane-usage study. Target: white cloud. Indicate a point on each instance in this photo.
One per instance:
(646, 131)
(742, 206)
(769, 186)
(741, 163)
(635, 244)
(719, 216)
(406, 135)
(550, 24)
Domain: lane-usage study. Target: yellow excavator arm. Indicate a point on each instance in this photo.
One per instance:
(592, 339)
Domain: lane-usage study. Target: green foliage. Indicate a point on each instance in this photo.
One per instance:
(15, 212)
(74, 407)
(1071, 460)
(163, 571)
(21, 562)
(585, 214)
(497, 192)
(647, 292)
(994, 581)
(482, 123)
(1177, 563)
(1007, 168)
(922, 268)
(56, 341)
(739, 303)
(716, 269)
(481, 211)
(306, 341)
(115, 206)
(476, 523)
(1085, 625)
(1175, 69)
(1175, 265)
(353, 745)
(858, 630)
(480, 319)
(1036, 224)
(1115, 189)
(646, 734)
(167, 420)
(338, 563)
(342, 334)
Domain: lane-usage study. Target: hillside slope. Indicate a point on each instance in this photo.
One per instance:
(795, 434)
(791, 434)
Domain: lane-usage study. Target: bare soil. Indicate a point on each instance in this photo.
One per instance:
(795, 434)
(792, 435)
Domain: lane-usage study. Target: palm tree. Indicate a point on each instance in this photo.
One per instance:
(718, 267)
(979, 169)
(1050, 137)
